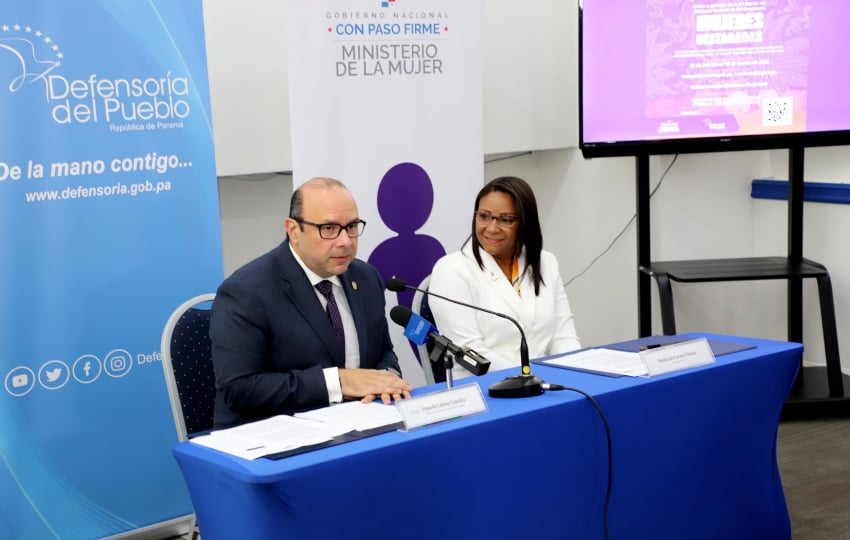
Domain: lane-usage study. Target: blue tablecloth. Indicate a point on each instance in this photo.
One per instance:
(694, 457)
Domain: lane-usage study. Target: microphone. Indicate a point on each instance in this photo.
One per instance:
(418, 330)
(523, 385)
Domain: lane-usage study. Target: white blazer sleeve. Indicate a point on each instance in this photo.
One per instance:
(455, 276)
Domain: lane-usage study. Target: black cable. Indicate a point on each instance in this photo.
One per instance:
(623, 231)
(511, 156)
(256, 177)
(548, 386)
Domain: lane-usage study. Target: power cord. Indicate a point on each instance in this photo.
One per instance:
(626, 228)
(607, 502)
(509, 156)
(256, 177)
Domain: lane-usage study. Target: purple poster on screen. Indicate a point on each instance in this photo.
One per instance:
(712, 68)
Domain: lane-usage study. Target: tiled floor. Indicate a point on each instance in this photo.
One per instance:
(814, 462)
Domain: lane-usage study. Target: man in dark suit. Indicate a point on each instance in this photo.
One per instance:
(284, 341)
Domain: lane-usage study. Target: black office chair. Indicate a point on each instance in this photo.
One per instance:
(187, 365)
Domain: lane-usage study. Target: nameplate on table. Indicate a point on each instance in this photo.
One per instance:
(448, 404)
(678, 356)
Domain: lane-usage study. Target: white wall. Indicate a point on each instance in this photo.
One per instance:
(529, 98)
(246, 61)
(702, 210)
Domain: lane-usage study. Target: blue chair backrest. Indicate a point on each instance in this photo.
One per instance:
(438, 368)
(191, 357)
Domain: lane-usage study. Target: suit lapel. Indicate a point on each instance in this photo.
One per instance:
(297, 288)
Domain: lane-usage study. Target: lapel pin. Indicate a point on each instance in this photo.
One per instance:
(354, 285)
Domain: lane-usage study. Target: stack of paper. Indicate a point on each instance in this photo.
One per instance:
(282, 433)
(355, 415)
(605, 361)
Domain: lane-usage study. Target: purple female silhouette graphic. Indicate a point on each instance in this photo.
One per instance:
(405, 201)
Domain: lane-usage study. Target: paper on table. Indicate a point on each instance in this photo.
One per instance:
(603, 361)
(269, 436)
(283, 433)
(355, 416)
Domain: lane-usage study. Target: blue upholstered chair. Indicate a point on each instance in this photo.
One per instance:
(187, 365)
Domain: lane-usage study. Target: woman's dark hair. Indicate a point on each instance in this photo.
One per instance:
(528, 232)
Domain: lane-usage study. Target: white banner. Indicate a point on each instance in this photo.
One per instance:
(386, 96)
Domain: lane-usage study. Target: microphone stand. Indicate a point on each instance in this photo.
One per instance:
(525, 384)
(440, 352)
(446, 350)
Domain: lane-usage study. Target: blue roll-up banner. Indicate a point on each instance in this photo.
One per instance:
(109, 220)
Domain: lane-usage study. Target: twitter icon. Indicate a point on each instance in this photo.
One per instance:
(53, 374)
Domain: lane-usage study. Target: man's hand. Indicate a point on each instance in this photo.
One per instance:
(369, 384)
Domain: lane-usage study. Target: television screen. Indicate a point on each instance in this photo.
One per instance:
(667, 76)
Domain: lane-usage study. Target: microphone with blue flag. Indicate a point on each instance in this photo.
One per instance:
(419, 330)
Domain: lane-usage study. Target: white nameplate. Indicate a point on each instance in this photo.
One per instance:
(677, 356)
(443, 405)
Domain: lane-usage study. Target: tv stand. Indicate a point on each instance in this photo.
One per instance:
(818, 391)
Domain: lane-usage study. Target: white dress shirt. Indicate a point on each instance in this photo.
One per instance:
(352, 344)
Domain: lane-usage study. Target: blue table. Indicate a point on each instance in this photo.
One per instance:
(694, 456)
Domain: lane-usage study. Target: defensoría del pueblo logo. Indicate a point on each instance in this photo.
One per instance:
(161, 99)
(35, 52)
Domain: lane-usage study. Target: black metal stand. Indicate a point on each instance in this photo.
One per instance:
(439, 355)
(818, 391)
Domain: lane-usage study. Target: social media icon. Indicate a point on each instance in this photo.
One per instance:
(87, 368)
(117, 363)
(53, 374)
(20, 381)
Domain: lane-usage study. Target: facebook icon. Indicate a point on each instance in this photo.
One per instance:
(87, 368)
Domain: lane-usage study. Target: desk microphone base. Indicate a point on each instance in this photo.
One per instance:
(517, 386)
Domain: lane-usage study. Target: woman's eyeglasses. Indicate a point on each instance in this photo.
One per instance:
(506, 221)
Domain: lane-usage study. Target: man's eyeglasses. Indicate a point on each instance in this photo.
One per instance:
(329, 231)
(506, 221)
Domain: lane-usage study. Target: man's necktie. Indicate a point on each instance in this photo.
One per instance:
(326, 288)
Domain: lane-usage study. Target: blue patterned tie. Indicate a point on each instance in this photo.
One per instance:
(326, 288)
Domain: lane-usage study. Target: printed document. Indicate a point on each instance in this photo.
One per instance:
(605, 361)
(282, 433)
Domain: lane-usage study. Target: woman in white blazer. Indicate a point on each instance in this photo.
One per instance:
(503, 267)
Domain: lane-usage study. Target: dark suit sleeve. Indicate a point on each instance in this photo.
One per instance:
(261, 372)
